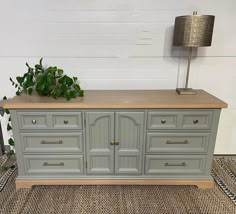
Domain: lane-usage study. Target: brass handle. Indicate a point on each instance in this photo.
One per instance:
(66, 121)
(176, 142)
(195, 121)
(53, 164)
(114, 142)
(172, 164)
(163, 121)
(47, 142)
(34, 121)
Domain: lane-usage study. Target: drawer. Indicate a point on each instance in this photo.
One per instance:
(197, 120)
(50, 120)
(53, 164)
(67, 120)
(176, 142)
(33, 120)
(179, 119)
(52, 142)
(162, 120)
(174, 164)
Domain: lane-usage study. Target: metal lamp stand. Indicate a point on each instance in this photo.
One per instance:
(187, 90)
(192, 32)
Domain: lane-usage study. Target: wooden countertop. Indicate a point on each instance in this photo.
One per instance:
(118, 99)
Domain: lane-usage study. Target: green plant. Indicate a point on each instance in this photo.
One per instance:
(46, 82)
(49, 81)
(9, 128)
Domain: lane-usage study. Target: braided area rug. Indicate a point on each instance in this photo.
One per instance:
(125, 199)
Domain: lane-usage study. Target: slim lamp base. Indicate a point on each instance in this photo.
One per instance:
(186, 91)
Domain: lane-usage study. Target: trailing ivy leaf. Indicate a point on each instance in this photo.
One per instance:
(12, 82)
(11, 142)
(61, 80)
(11, 152)
(37, 66)
(20, 80)
(60, 72)
(9, 127)
(7, 111)
(69, 81)
(9, 119)
(75, 79)
(58, 92)
(30, 69)
(67, 95)
(81, 93)
(73, 94)
(18, 93)
(30, 90)
(40, 61)
(13, 167)
(77, 87)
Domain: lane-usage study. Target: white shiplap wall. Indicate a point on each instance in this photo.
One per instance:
(122, 44)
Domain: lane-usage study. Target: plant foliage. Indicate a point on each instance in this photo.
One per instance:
(49, 81)
(11, 141)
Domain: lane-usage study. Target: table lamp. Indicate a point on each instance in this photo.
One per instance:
(192, 31)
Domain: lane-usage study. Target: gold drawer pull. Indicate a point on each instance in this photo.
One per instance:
(172, 164)
(114, 142)
(53, 164)
(34, 121)
(56, 142)
(195, 121)
(176, 142)
(163, 121)
(66, 121)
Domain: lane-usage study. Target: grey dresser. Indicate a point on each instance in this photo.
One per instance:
(115, 137)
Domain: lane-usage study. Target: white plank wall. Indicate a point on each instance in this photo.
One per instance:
(122, 44)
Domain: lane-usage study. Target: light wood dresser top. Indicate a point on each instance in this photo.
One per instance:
(118, 99)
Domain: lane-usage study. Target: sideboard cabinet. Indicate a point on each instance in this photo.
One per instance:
(115, 137)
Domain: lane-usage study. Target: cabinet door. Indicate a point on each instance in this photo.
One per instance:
(129, 134)
(99, 134)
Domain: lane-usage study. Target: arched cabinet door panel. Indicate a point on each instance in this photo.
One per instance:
(99, 135)
(129, 135)
(114, 142)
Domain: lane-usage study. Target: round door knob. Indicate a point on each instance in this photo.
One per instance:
(163, 121)
(34, 121)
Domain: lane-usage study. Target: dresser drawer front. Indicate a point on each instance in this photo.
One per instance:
(50, 120)
(53, 164)
(174, 164)
(52, 142)
(176, 142)
(33, 120)
(67, 120)
(162, 120)
(197, 120)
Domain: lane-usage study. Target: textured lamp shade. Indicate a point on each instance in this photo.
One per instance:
(193, 31)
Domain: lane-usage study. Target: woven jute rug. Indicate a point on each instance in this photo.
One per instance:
(124, 199)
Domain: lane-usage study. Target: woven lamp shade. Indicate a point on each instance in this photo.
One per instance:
(193, 31)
